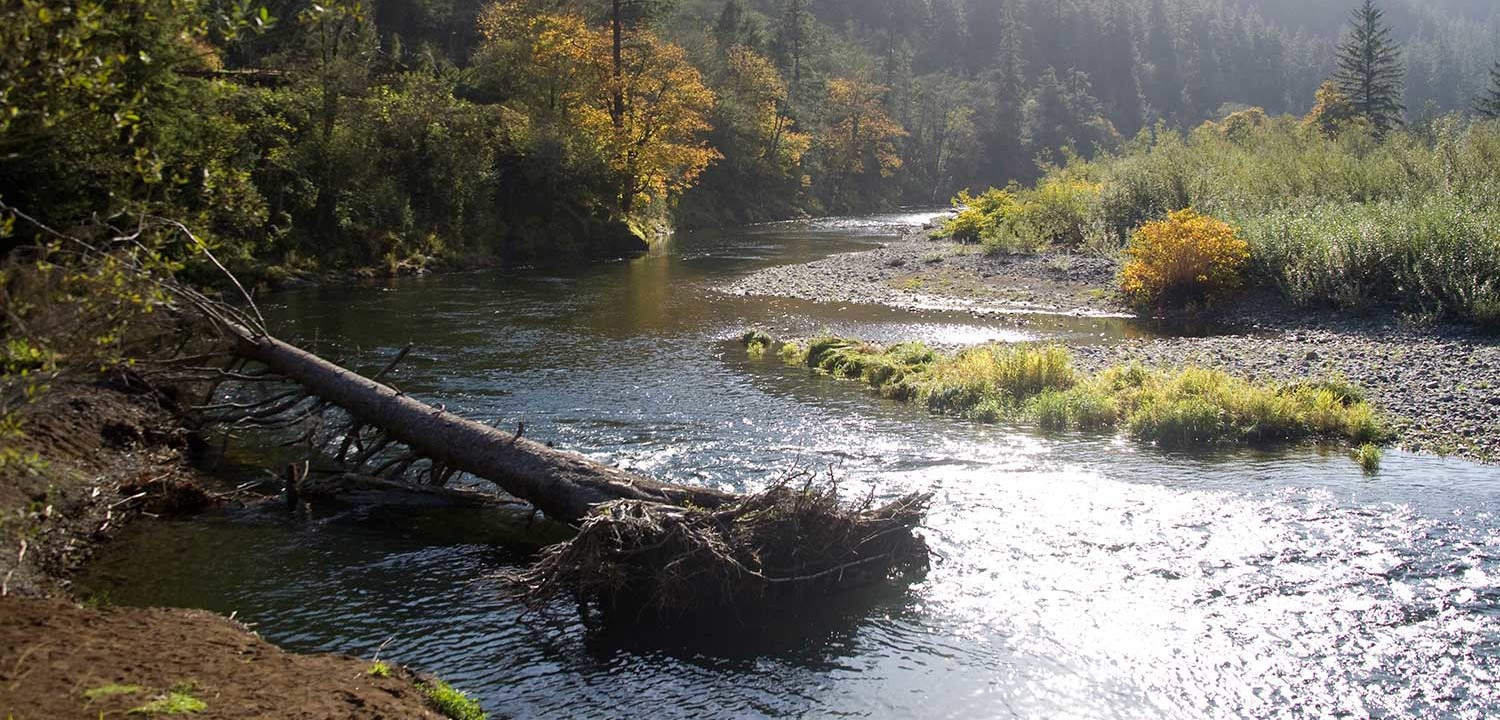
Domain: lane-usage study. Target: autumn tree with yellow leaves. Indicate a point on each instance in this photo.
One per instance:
(860, 144)
(643, 119)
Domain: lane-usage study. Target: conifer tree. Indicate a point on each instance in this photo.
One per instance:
(1370, 71)
(1488, 104)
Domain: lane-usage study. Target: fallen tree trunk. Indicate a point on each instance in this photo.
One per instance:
(565, 486)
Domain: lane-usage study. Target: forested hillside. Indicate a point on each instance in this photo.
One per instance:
(388, 133)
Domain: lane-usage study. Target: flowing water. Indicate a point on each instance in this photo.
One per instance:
(1076, 576)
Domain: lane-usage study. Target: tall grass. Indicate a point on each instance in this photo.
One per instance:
(1409, 221)
(1174, 408)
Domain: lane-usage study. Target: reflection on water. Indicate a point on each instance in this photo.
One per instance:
(1077, 576)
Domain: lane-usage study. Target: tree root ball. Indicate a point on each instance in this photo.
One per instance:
(633, 560)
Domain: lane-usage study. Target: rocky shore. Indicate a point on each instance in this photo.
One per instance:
(1438, 385)
(916, 273)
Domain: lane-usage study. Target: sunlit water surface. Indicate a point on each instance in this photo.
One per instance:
(1076, 576)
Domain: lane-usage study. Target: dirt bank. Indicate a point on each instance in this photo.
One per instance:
(1439, 385)
(107, 455)
(63, 661)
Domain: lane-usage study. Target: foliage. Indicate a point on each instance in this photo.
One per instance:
(1370, 69)
(450, 702)
(860, 142)
(1058, 212)
(1438, 254)
(1185, 261)
(1346, 219)
(978, 217)
(378, 669)
(1333, 112)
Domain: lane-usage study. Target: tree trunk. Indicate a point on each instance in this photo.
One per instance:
(565, 486)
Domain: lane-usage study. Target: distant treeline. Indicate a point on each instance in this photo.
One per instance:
(391, 133)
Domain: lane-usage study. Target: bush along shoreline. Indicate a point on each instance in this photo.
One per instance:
(1173, 408)
(1324, 216)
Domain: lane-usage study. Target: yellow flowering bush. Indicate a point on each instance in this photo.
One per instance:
(1183, 261)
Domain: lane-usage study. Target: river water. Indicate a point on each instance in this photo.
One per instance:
(1076, 576)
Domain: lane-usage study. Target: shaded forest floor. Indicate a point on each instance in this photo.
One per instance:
(1438, 384)
(107, 456)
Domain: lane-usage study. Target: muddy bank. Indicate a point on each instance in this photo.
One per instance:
(1439, 385)
(106, 455)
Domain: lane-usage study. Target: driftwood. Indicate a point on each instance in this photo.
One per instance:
(563, 485)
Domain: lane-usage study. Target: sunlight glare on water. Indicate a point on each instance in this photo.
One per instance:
(1074, 576)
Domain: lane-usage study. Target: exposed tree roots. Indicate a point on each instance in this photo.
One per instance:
(642, 560)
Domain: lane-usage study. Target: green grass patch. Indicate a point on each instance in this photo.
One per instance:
(451, 702)
(1172, 408)
(177, 701)
(378, 669)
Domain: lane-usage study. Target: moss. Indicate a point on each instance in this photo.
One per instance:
(451, 702)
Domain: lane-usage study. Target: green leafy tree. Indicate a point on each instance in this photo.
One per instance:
(1370, 71)
(1488, 104)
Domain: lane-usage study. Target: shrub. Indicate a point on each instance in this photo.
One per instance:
(978, 217)
(1183, 261)
(1058, 212)
(1437, 254)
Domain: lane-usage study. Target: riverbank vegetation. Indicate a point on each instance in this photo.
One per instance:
(1347, 206)
(299, 138)
(1174, 408)
(1348, 220)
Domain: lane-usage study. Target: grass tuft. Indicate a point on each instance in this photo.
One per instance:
(1369, 456)
(756, 342)
(1177, 408)
(174, 702)
(451, 702)
(378, 669)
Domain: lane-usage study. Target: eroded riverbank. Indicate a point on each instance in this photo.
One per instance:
(98, 457)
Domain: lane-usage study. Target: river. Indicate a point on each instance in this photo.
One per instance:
(1076, 576)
